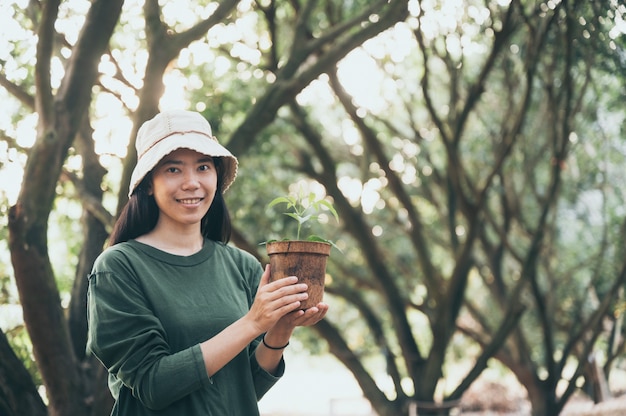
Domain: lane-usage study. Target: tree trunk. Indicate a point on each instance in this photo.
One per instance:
(18, 393)
(95, 234)
(60, 117)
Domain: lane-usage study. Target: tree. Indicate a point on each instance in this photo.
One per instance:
(74, 382)
(466, 191)
(481, 168)
(60, 117)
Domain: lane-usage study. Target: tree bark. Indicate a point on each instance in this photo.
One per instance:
(18, 393)
(59, 120)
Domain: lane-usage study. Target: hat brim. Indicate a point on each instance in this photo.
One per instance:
(190, 140)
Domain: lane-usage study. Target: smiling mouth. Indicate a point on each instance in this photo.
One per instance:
(190, 200)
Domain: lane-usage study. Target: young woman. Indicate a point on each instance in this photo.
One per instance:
(185, 324)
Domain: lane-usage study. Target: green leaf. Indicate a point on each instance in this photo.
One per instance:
(280, 200)
(304, 209)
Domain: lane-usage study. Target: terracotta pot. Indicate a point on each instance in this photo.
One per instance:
(305, 259)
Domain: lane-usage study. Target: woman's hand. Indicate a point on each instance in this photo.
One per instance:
(281, 332)
(275, 313)
(279, 299)
(276, 337)
(307, 317)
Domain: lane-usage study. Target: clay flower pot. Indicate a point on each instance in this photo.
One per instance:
(305, 259)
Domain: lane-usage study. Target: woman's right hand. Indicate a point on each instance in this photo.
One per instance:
(275, 300)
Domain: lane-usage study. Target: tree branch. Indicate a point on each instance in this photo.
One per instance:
(288, 84)
(16, 91)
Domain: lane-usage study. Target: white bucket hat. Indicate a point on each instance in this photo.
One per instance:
(175, 129)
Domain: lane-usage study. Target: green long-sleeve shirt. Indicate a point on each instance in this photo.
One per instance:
(148, 312)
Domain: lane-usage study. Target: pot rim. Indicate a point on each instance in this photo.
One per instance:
(298, 246)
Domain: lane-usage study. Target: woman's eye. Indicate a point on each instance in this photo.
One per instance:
(205, 167)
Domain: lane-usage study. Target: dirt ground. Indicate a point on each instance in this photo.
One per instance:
(492, 399)
(585, 407)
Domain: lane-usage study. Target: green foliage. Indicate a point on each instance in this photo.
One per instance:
(65, 233)
(304, 208)
(7, 290)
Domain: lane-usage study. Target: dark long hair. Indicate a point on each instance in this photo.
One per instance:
(141, 213)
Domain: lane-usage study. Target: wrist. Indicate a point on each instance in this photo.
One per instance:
(277, 346)
(250, 326)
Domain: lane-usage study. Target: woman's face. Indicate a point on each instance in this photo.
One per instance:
(183, 185)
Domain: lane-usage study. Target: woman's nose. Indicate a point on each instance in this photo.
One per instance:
(190, 181)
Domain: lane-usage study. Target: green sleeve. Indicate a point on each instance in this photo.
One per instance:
(264, 381)
(129, 340)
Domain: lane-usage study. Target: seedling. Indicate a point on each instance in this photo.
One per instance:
(304, 209)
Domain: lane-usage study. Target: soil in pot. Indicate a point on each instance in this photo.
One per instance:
(305, 259)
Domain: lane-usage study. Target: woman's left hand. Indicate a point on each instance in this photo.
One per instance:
(307, 317)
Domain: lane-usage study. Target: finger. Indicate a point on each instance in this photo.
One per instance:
(265, 277)
(284, 299)
(319, 309)
(291, 309)
(286, 296)
(289, 287)
(286, 281)
(268, 308)
(322, 307)
(292, 319)
(313, 315)
(298, 318)
(265, 286)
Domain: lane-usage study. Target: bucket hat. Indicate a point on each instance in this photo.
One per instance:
(176, 129)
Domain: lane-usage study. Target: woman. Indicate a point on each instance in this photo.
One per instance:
(185, 324)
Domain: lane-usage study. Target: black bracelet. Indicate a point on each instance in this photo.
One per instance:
(274, 348)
